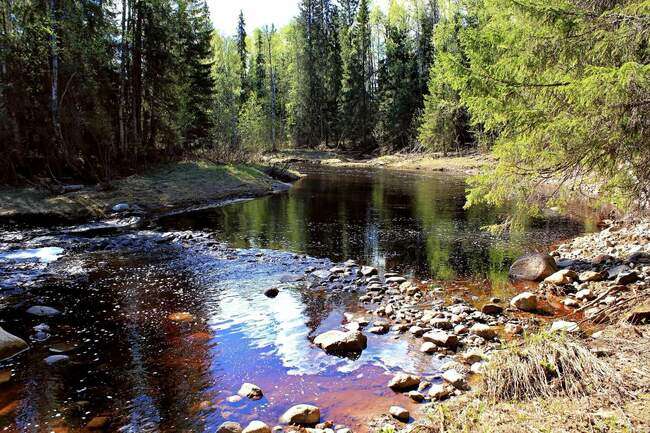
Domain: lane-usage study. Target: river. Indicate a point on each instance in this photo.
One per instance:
(161, 326)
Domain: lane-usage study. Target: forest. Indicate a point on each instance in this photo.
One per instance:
(95, 90)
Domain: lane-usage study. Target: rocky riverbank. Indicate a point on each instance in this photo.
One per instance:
(598, 289)
(162, 189)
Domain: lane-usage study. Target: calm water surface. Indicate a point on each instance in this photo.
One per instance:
(131, 362)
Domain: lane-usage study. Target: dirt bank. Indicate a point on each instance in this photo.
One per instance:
(165, 188)
(423, 162)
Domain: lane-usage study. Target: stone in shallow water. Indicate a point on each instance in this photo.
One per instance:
(533, 267)
(301, 414)
(10, 345)
(404, 382)
(56, 359)
(399, 413)
(257, 427)
(251, 391)
(565, 276)
(525, 301)
(271, 293)
(341, 342)
(41, 310)
(229, 427)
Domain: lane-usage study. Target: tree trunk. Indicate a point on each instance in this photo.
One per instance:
(122, 95)
(54, 85)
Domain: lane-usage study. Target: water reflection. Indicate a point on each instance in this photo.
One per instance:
(405, 222)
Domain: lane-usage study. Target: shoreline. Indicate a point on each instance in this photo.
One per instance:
(468, 164)
(167, 188)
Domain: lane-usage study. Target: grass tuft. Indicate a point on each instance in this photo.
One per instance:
(548, 365)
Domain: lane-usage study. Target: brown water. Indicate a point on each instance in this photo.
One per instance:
(130, 361)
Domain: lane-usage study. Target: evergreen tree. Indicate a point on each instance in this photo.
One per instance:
(357, 104)
(243, 56)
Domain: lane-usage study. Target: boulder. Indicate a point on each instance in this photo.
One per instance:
(229, 427)
(271, 293)
(472, 356)
(341, 342)
(624, 278)
(533, 267)
(301, 414)
(10, 345)
(492, 309)
(441, 338)
(251, 391)
(428, 347)
(366, 271)
(454, 378)
(257, 427)
(399, 413)
(416, 396)
(483, 331)
(404, 382)
(525, 301)
(561, 278)
(439, 391)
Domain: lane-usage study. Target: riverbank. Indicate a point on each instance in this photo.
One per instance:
(593, 352)
(421, 162)
(162, 189)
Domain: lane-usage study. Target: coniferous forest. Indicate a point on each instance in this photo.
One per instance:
(96, 89)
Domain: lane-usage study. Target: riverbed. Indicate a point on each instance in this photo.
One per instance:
(160, 325)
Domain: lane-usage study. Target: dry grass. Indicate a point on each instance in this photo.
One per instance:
(548, 365)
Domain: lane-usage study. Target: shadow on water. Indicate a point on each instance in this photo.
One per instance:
(144, 369)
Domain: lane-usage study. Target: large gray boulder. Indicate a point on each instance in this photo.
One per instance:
(10, 345)
(533, 267)
(340, 342)
(301, 414)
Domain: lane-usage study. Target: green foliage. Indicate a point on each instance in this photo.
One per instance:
(559, 89)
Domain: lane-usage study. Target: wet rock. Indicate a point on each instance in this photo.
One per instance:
(560, 278)
(404, 382)
(441, 338)
(525, 301)
(492, 309)
(564, 326)
(251, 391)
(439, 391)
(271, 293)
(43, 311)
(484, 331)
(441, 323)
(416, 396)
(368, 270)
(10, 345)
(301, 414)
(322, 274)
(257, 427)
(454, 378)
(428, 347)
(234, 399)
(341, 342)
(379, 329)
(416, 330)
(399, 413)
(120, 207)
(229, 427)
(533, 267)
(56, 359)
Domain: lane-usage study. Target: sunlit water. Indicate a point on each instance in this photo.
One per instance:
(131, 363)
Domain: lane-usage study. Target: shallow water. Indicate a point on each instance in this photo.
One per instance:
(134, 362)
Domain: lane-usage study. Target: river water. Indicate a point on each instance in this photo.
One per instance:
(162, 326)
